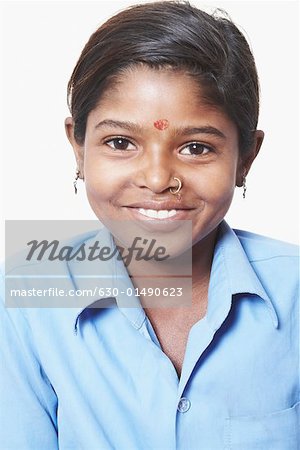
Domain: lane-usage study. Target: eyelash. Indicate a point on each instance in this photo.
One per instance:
(202, 146)
(127, 142)
(118, 138)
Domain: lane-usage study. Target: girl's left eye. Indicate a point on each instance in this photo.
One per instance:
(120, 144)
(195, 149)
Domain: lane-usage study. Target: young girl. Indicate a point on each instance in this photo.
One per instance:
(164, 106)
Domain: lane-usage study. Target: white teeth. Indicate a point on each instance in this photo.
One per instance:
(162, 214)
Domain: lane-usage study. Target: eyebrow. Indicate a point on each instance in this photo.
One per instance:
(201, 130)
(119, 124)
(186, 131)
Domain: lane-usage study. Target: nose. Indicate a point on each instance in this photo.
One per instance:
(156, 171)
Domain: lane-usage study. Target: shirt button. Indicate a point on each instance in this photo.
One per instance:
(183, 405)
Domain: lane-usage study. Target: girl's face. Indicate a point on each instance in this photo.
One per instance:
(128, 163)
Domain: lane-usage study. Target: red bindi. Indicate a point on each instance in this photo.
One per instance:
(161, 124)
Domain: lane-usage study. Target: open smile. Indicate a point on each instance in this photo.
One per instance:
(161, 211)
(155, 214)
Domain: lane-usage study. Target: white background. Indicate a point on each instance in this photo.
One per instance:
(42, 42)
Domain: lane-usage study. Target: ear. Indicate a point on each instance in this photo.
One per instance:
(77, 148)
(245, 162)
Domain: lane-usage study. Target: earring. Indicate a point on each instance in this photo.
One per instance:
(76, 178)
(244, 186)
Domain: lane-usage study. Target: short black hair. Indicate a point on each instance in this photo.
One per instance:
(177, 35)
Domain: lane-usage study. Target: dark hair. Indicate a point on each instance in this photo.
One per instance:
(170, 34)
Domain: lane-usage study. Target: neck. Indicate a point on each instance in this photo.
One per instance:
(202, 255)
(202, 258)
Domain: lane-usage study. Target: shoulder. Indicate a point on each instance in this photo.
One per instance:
(45, 277)
(39, 255)
(276, 264)
(259, 247)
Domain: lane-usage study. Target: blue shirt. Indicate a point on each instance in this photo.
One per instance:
(90, 378)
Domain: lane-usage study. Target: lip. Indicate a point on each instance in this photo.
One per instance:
(162, 205)
(181, 214)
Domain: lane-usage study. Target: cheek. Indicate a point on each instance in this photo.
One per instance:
(215, 185)
(216, 190)
(103, 178)
(222, 189)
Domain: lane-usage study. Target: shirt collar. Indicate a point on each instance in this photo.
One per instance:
(111, 276)
(231, 274)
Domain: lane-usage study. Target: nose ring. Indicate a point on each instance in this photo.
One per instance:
(177, 189)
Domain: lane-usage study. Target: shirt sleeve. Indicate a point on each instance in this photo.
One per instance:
(28, 401)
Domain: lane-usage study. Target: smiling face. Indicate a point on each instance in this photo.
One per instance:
(129, 162)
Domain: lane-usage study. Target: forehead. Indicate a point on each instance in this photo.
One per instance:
(148, 84)
(142, 94)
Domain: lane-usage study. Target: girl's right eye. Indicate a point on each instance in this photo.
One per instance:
(120, 144)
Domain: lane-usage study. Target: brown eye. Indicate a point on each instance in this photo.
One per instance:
(120, 144)
(195, 149)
